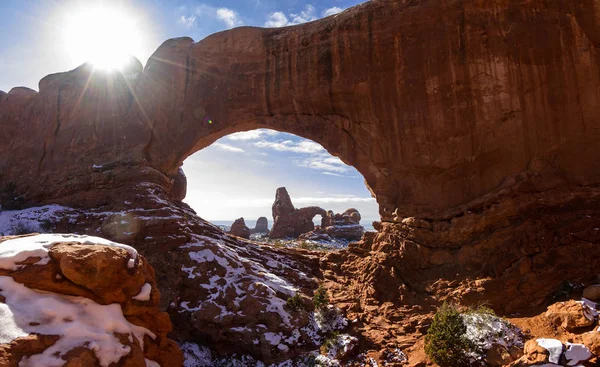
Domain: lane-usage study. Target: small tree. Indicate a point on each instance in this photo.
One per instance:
(295, 303)
(320, 298)
(446, 343)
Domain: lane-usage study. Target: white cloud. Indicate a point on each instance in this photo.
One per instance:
(276, 20)
(325, 163)
(331, 11)
(229, 148)
(249, 202)
(252, 134)
(308, 14)
(279, 19)
(229, 17)
(309, 200)
(304, 146)
(187, 22)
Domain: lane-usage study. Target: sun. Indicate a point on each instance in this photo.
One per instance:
(105, 37)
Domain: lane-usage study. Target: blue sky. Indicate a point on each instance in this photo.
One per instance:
(236, 176)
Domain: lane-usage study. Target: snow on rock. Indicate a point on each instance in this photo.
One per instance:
(330, 319)
(225, 278)
(144, 294)
(554, 348)
(576, 353)
(14, 222)
(485, 329)
(341, 346)
(17, 250)
(76, 320)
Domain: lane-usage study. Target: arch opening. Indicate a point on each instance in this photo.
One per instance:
(241, 175)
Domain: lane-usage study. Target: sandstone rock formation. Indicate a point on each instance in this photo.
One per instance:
(239, 228)
(345, 226)
(262, 226)
(208, 280)
(474, 123)
(289, 221)
(107, 293)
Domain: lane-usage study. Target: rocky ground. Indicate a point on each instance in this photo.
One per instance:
(228, 297)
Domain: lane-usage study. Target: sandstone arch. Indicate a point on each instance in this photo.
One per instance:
(435, 104)
(476, 122)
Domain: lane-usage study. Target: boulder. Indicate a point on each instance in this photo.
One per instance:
(540, 351)
(569, 315)
(239, 228)
(351, 232)
(113, 303)
(592, 292)
(592, 341)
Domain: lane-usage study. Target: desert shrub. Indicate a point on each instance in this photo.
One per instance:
(295, 303)
(320, 298)
(20, 228)
(446, 343)
(481, 309)
(329, 319)
(329, 343)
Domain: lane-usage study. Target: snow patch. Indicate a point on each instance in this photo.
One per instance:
(553, 346)
(144, 294)
(576, 353)
(17, 250)
(76, 320)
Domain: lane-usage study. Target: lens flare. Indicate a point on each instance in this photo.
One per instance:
(105, 37)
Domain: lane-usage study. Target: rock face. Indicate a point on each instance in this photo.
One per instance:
(262, 226)
(289, 221)
(504, 121)
(239, 228)
(111, 289)
(208, 280)
(473, 123)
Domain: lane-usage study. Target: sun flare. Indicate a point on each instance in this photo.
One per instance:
(105, 37)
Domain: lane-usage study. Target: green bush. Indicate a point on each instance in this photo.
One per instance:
(295, 303)
(445, 342)
(329, 343)
(320, 298)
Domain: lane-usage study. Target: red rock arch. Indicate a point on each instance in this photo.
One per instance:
(436, 104)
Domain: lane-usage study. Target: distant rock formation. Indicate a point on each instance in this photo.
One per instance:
(239, 228)
(341, 226)
(289, 221)
(262, 226)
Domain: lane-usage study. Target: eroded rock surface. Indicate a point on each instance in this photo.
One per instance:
(51, 285)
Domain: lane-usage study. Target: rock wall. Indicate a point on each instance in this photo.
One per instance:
(436, 104)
